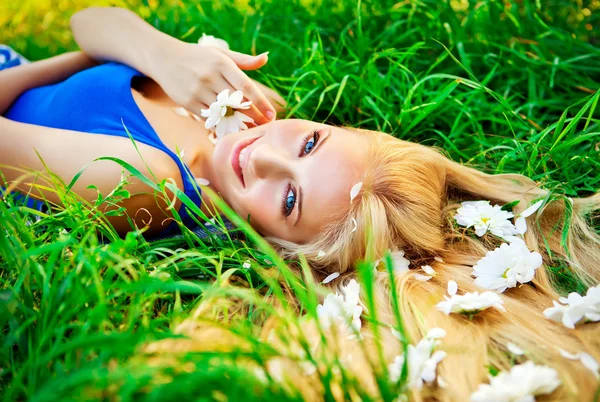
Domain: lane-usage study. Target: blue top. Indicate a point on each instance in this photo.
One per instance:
(99, 101)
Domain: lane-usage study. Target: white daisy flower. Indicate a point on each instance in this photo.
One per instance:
(506, 266)
(485, 218)
(520, 222)
(585, 358)
(422, 361)
(209, 40)
(223, 114)
(469, 303)
(575, 308)
(341, 309)
(522, 384)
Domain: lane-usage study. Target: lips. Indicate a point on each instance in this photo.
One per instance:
(239, 157)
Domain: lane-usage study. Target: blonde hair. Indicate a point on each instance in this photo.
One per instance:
(407, 201)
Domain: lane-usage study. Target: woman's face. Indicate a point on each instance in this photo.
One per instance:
(289, 176)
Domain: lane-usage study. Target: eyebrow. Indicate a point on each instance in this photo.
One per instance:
(319, 146)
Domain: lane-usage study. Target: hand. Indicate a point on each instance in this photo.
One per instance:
(193, 76)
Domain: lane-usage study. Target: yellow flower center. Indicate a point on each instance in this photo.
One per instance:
(229, 111)
(485, 220)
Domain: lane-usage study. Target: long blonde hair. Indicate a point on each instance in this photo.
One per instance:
(407, 201)
(409, 195)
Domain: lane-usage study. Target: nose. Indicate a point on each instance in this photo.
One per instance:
(267, 161)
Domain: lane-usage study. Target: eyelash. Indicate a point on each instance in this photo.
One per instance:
(314, 135)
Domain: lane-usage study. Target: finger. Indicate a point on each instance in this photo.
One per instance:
(252, 112)
(196, 106)
(246, 61)
(242, 82)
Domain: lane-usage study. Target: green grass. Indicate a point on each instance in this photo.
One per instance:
(504, 86)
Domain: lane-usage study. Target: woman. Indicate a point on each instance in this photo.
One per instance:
(293, 179)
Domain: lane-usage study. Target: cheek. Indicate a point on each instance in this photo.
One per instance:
(262, 209)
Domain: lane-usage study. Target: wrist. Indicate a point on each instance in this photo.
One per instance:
(162, 49)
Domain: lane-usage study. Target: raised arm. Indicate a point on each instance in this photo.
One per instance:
(117, 34)
(190, 74)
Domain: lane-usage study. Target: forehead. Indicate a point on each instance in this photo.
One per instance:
(327, 181)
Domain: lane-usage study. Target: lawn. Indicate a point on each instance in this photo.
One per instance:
(505, 86)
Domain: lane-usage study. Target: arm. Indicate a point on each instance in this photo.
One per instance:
(191, 75)
(28, 152)
(117, 34)
(14, 81)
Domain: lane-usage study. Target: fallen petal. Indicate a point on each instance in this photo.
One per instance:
(202, 182)
(428, 270)
(355, 225)
(514, 349)
(330, 277)
(355, 190)
(452, 287)
(422, 278)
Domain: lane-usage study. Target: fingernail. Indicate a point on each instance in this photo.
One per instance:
(263, 54)
(270, 115)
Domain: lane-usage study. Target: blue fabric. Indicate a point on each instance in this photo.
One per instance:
(99, 101)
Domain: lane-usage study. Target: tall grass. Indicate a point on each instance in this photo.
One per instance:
(86, 315)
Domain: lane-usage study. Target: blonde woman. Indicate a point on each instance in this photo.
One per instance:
(293, 179)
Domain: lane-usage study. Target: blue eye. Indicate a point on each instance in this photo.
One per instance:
(289, 202)
(309, 143)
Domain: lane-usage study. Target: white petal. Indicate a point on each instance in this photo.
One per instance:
(202, 182)
(441, 382)
(452, 287)
(209, 40)
(236, 98)
(568, 355)
(422, 278)
(321, 254)
(246, 264)
(521, 225)
(355, 225)
(529, 211)
(396, 334)
(514, 349)
(181, 111)
(223, 96)
(244, 117)
(438, 259)
(181, 153)
(589, 362)
(428, 270)
(435, 333)
(354, 190)
(330, 277)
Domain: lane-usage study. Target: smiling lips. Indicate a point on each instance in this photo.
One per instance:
(239, 157)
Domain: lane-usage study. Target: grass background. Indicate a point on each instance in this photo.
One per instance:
(506, 86)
